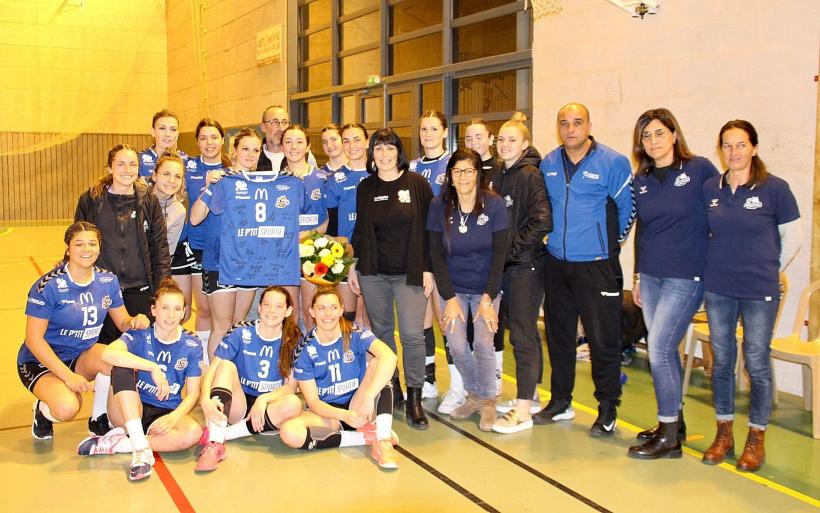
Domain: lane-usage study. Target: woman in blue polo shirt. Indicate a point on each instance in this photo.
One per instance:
(468, 230)
(755, 233)
(670, 254)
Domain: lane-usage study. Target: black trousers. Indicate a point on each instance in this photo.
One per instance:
(136, 302)
(523, 287)
(591, 290)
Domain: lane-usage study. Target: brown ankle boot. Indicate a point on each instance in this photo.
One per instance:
(753, 453)
(488, 415)
(724, 444)
(467, 409)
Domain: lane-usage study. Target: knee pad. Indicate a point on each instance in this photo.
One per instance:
(123, 379)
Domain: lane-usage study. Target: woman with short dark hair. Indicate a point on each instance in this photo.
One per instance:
(390, 242)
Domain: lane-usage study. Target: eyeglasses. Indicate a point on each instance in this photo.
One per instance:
(467, 171)
(658, 134)
(276, 122)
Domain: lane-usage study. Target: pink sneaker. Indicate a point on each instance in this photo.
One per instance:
(105, 444)
(369, 431)
(203, 441)
(383, 453)
(210, 457)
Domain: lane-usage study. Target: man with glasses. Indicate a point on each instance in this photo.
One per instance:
(590, 187)
(275, 120)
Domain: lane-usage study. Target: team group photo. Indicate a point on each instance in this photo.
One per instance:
(482, 285)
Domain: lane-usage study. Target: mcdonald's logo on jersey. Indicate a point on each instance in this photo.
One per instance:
(164, 356)
(260, 194)
(266, 352)
(333, 355)
(86, 298)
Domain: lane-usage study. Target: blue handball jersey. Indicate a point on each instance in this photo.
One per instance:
(261, 219)
(340, 193)
(435, 171)
(179, 360)
(195, 173)
(75, 313)
(256, 358)
(148, 160)
(314, 199)
(337, 373)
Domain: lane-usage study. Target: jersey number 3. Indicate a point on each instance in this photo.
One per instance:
(264, 367)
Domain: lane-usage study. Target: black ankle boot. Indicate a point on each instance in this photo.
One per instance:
(398, 395)
(665, 443)
(415, 412)
(430, 373)
(650, 433)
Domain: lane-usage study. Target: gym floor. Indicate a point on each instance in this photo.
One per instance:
(452, 467)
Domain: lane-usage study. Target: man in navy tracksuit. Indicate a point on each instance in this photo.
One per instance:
(590, 188)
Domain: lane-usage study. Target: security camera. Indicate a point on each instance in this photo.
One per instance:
(638, 8)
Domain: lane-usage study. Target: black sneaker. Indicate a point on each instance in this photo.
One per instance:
(605, 423)
(556, 409)
(41, 427)
(99, 426)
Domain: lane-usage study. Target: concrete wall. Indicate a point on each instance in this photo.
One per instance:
(100, 67)
(708, 62)
(212, 68)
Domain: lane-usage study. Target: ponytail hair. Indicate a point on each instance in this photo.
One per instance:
(168, 286)
(758, 172)
(74, 229)
(105, 181)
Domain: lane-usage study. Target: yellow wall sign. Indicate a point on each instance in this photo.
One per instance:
(269, 46)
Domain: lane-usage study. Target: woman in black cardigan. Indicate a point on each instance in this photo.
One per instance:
(393, 258)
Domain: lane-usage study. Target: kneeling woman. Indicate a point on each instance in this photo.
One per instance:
(249, 388)
(341, 388)
(60, 358)
(150, 368)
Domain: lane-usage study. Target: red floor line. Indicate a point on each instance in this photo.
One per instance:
(171, 485)
(36, 267)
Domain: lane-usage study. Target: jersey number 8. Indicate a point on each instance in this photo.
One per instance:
(261, 212)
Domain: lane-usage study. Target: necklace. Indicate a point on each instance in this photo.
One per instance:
(462, 220)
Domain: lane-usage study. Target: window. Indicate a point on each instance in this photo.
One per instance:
(383, 62)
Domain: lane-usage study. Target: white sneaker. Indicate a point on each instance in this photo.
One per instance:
(142, 462)
(505, 406)
(452, 400)
(106, 444)
(429, 390)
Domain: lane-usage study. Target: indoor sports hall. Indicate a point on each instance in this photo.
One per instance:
(81, 76)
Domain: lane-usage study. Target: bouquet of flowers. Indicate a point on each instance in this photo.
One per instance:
(325, 260)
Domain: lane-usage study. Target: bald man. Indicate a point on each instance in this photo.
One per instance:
(590, 188)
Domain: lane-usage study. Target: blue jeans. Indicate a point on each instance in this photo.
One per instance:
(477, 368)
(668, 307)
(379, 292)
(758, 326)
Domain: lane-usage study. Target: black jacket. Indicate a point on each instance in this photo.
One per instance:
(364, 234)
(528, 206)
(153, 239)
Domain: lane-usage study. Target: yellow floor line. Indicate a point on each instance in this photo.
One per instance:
(545, 396)
(6, 231)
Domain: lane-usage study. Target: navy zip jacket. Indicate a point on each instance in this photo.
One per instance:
(579, 202)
